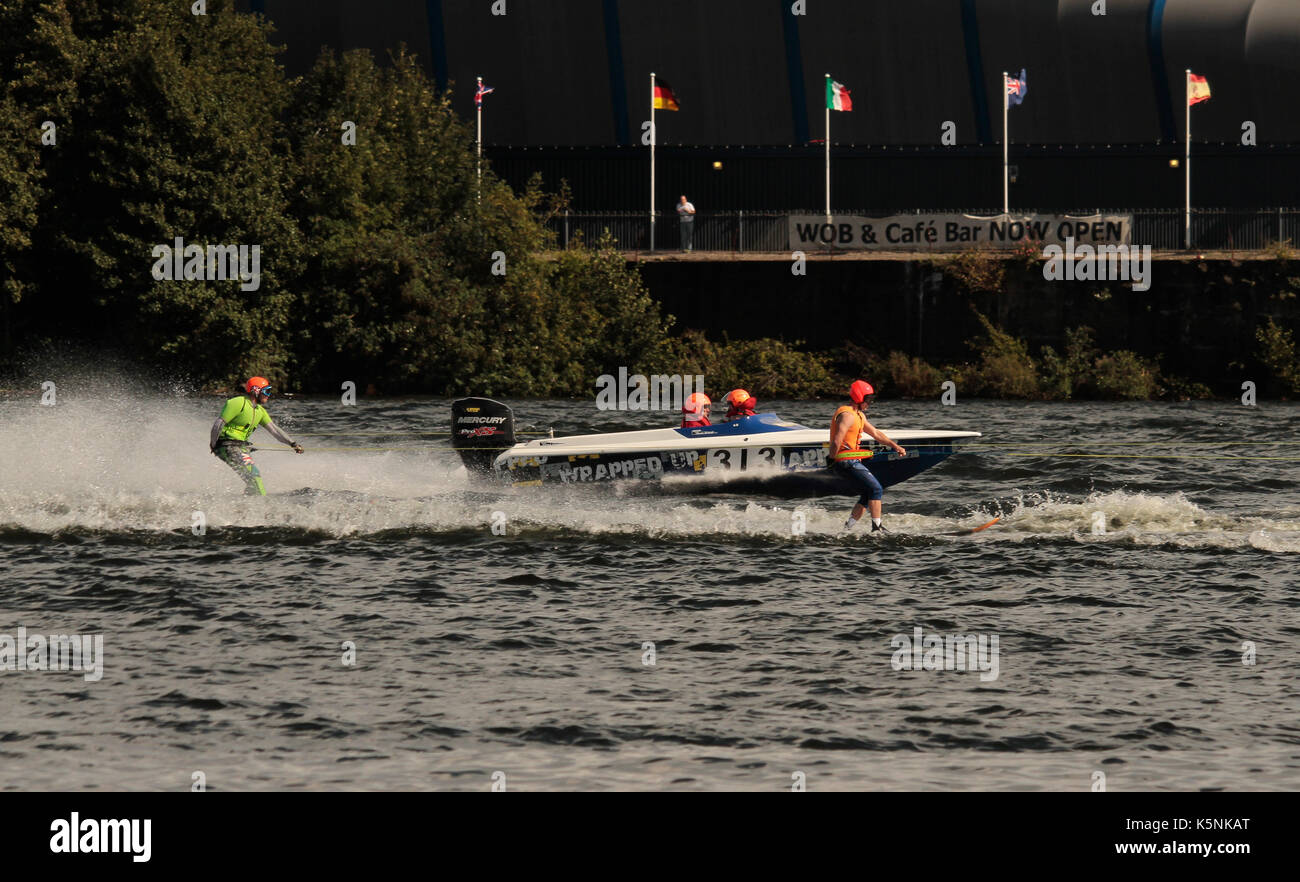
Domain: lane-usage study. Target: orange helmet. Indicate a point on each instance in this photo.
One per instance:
(696, 403)
(258, 386)
(740, 402)
(859, 391)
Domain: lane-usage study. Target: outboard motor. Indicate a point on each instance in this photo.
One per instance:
(480, 430)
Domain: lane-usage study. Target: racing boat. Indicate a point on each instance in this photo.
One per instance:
(760, 453)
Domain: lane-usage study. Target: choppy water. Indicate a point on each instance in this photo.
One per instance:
(524, 653)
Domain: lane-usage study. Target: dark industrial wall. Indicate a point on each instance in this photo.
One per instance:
(576, 72)
(1198, 317)
(890, 179)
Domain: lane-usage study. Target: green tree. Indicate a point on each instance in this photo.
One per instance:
(398, 285)
(175, 133)
(417, 276)
(40, 61)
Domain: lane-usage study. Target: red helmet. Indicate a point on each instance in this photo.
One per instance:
(257, 386)
(859, 391)
(740, 402)
(696, 403)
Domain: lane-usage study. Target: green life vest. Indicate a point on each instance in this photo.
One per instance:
(242, 417)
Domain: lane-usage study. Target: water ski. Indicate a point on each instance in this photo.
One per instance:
(979, 529)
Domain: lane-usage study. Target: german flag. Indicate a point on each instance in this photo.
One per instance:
(664, 97)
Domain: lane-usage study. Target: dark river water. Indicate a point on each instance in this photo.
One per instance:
(625, 641)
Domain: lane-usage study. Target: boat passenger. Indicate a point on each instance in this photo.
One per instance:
(695, 415)
(739, 404)
(848, 458)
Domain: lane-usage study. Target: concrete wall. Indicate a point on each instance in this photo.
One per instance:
(1199, 316)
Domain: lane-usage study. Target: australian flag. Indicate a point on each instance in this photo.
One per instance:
(1016, 89)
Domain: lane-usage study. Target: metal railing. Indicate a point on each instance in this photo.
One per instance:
(1213, 229)
(714, 230)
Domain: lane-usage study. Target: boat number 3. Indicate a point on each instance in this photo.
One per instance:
(725, 459)
(740, 458)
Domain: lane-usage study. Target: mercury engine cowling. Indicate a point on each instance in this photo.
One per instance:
(480, 430)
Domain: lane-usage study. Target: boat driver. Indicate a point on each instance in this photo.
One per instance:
(739, 404)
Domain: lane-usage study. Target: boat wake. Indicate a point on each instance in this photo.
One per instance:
(316, 514)
(1143, 519)
(74, 471)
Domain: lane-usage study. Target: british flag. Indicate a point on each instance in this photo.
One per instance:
(478, 96)
(1017, 88)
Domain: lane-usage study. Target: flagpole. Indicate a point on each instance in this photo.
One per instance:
(1006, 172)
(1187, 160)
(654, 136)
(478, 99)
(828, 149)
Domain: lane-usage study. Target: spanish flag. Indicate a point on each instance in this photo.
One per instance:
(664, 97)
(1198, 89)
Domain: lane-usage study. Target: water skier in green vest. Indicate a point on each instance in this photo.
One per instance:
(240, 417)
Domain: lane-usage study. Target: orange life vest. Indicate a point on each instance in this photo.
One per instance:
(850, 447)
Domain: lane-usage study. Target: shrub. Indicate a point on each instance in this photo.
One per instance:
(1006, 369)
(1064, 376)
(1277, 351)
(909, 376)
(767, 368)
(1280, 250)
(1126, 375)
(1028, 254)
(1181, 389)
(974, 270)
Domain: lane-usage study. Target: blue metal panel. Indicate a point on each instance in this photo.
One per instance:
(975, 70)
(617, 78)
(437, 42)
(1159, 78)
(794, 64)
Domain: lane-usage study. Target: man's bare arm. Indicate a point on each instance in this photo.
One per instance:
(883, 438)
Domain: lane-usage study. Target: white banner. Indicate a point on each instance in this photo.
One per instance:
(955, 232)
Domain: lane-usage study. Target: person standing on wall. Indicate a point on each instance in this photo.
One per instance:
(686, 212)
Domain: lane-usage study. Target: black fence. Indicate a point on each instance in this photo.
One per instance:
(1213, 229)
(887, 179)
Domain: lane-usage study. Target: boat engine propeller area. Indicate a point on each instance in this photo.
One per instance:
(481, 429)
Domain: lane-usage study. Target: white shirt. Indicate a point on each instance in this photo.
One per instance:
(686, 210)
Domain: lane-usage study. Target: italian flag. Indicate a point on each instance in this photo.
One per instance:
(1198, 89)
(837, 97)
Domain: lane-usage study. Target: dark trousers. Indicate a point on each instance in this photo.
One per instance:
(688, 234)
(860, 475)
